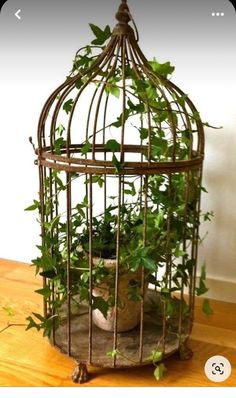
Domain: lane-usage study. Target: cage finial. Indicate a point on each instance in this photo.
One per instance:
(123, 14)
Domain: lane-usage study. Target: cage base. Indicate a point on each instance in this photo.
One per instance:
(130, 353)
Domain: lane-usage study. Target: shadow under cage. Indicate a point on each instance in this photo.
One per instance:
(120, 153)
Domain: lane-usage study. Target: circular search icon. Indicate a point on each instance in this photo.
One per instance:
(217, 368)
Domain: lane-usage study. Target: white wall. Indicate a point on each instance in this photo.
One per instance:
(36, 55)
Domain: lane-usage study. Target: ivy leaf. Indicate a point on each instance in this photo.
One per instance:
(86, 148)
(132, 190)
(156, 356)
(100, 304)
(143, 133)
(58, 181)
(148, 263)
(112, 88)
(206, 308)
(119, 121)
(113, 353)
(201, 289)
(159, 371)
(60, 129)
(97, 179)
(79, 83)
(68, 105)
(208, 215)
(34, 206)
(58, 145)
(32, 324)
(9, 311)
(181, 100)
(113, 146)
(117, 164)
(162, 69)
(179, 253)
(46, 262)
(48, 325)
(48, 274)
(101, 35)
(39, 316)
(45, 292)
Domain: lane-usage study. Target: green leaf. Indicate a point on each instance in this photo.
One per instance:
(39, 317)
(143, 133)
(203, 272)
(112, 145)
(32, 323)
(159, 371)
(48, 274)
(34, 206)
(201, 289)
(9, 311)
(68, 105)
(208, 215)
(179, 253)
(113, 353)
(60, 129)
(206, 308)
(117, 164)
(112, 88)
(86, 148)
(149, 264)
(46, 262)
(46, 292)
(101, 35)
(100, 304)
(156, 356)
(97, 179)
(122, 116)
(132, 190)
(162, 69)
(58, 181)
(79, 83)
(181, 100)
(58, 144)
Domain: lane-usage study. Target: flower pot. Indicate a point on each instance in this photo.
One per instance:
(129, 310)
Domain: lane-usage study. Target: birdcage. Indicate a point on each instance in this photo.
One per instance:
(120, 154)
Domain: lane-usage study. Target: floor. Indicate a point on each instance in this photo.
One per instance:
(27, 359)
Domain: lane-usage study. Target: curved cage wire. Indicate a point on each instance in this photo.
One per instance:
(119, 141)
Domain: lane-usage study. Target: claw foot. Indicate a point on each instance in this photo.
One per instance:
(80, 374)
(185, 352)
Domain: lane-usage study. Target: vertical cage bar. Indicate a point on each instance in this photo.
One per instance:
(141, 335)
(195, 246)
(68, 238)
(168, 260)
(42, 220)
(105, 154)
(52, 254)
(185, 221)
(90, 336)
(117, 269)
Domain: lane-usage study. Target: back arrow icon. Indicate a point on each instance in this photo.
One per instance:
(17, 14)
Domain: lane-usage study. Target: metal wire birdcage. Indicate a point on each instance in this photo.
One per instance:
(120, 154)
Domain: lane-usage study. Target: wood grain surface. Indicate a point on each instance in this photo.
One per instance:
(27, 359)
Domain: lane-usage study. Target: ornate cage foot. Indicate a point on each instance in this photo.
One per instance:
(185, 353)
(80, 374)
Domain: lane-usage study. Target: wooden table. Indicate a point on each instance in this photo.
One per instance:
(27, 359)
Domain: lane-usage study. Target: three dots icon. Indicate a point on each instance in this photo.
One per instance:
(217, 14)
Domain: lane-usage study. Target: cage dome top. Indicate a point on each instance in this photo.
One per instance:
(117, 112)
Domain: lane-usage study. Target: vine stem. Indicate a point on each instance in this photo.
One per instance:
(10, 325)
